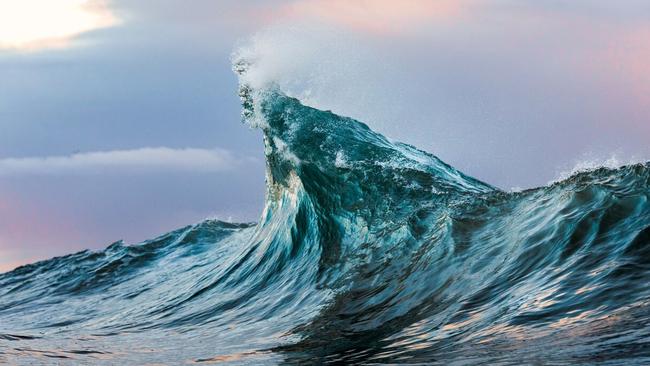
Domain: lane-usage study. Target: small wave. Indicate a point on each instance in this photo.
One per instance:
(590, 165)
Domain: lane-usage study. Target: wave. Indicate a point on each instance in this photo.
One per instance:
(367, 251)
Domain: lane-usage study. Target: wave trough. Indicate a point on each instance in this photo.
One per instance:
(368, 251)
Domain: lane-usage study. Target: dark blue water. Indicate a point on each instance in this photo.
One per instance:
(369, 252)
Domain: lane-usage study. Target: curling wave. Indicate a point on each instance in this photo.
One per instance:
(368, 251)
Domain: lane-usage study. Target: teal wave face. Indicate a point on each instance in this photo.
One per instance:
(368, 251)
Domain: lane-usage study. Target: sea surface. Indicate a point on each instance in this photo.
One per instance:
(368, 251)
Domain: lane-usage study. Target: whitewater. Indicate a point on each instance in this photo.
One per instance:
(368, 251)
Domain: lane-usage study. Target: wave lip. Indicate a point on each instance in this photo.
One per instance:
(367, 251)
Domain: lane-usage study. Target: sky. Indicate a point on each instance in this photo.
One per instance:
(119, 120)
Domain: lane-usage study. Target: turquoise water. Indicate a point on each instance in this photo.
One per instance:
(368, 251)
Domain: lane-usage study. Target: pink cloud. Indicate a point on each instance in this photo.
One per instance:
(380, 17)
(621, 66)
(30, 232)
(629, 56)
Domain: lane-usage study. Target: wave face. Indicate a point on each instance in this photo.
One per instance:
(368, 251)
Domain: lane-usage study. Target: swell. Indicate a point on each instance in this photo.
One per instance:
(367, 251)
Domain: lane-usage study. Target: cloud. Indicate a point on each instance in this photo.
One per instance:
(144, 159)
(38, 24)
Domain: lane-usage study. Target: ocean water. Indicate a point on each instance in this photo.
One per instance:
(368, 251)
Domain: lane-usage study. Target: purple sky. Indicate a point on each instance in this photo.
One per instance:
(120, 119)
